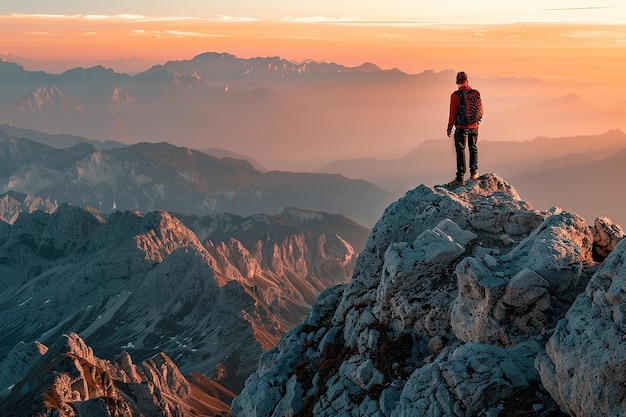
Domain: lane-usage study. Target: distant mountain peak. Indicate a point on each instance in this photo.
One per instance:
(614, 132)
(224, 66)
(43, 96)
(570, 98)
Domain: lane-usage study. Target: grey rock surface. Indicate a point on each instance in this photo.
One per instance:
(584, 362)
(451, 303)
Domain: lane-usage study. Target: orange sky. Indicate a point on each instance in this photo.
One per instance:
(546, 50)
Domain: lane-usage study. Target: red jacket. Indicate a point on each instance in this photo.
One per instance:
(455, 103)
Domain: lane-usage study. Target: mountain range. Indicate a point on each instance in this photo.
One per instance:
(149, 176)
(290, 116)
(147, 283)
(129, 65)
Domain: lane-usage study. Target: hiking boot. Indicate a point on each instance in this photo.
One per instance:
(474, 176)
(455, 183)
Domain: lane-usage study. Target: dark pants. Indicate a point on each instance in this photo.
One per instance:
(463, 136)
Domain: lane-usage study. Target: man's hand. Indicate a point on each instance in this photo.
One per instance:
(449, 133)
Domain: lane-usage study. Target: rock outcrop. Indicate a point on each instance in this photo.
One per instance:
(456, 308)
(13, 203)
(584, 362)
(67, 380)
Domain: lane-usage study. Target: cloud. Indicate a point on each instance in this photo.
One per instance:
(182, 34)
(223, 18)
(615, 37)
(320, 19)
(390, 35)
(137, 18)
(175, 33)
(354, 20)
(43, 16)
(577, 8)
(38, 34)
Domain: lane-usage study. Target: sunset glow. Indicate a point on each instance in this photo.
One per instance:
(556, 42)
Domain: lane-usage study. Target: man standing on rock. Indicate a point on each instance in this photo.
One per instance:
(465, 113)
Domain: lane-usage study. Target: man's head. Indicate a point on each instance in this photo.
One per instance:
(461, 78)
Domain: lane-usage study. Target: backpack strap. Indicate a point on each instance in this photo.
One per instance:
(461, 94)
(460, 113)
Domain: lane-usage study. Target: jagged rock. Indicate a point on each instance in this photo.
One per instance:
(467, 381)
(557, 249)
(606, 235)
(450, 303)
(13, 203)
(407, 275)
(584, 363)
(69, 381)
(312, 264)
(496, 303)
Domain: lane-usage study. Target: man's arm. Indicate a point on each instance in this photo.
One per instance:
(454, 107)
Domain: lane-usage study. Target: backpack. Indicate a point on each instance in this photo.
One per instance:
(471, 110)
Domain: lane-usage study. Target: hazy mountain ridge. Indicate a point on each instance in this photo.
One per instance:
(57, 140)
(424, 162)
(224, 67)
(67, 141)
(147, 177)
(561, 171)
(128, 65)
(304, 112)
(581, 184)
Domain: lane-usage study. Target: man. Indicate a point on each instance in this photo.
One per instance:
(464, 133)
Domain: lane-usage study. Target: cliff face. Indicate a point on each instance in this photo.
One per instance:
(462, 301)
(583, 365)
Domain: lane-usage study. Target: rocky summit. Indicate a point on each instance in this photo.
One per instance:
(465, 302)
